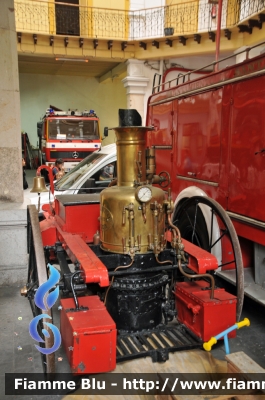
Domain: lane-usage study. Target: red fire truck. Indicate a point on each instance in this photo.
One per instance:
(70, 135)
(209, 133)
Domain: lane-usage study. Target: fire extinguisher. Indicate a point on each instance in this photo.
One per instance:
(213, 11)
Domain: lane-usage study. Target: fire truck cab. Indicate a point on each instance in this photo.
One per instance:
(70, 135)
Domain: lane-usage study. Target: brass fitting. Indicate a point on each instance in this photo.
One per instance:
(24, 291)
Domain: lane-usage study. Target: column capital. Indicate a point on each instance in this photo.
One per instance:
(135, 84)
(135, 67)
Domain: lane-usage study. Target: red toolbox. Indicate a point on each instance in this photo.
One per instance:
(88, 336)
(205, 317)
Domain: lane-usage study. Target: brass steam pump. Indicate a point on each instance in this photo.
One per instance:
(134, 213)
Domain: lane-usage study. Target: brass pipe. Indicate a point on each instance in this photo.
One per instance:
(160, 211)
(144, 212)
(163, 262)
(163, 241)
(149, 241)
(139, 239)
(199, 276)
(123, 216)
(209, 276)
(131, 228)
(124, 244)
(139, 165)
(113, 183)
(155, 213)
(150, 161)
(176, 242)
(173, 226)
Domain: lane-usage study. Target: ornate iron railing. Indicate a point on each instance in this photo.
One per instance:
(51, 18)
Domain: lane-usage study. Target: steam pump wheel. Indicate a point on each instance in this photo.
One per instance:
(165, 179)
(220, 233)
(37, 275)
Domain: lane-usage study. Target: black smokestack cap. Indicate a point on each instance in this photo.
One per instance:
(129, 117)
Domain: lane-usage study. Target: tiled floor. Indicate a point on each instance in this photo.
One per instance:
(18, 352)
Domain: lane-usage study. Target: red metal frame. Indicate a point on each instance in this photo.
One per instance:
(73, 233)
(200, 260)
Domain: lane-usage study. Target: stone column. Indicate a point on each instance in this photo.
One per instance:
(10, 146)
(13, 249)
(136, 84)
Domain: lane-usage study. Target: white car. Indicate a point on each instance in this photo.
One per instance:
(91, 175)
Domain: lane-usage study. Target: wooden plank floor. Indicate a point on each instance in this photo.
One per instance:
(192, 361)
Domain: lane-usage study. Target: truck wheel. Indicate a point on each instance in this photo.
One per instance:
(189, 218)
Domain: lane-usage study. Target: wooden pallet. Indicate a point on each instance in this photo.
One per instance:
(240, 362)
(194, 361)
(236, 363)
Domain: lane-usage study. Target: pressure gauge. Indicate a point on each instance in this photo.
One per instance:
(143, 194)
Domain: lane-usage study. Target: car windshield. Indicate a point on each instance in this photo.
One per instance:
(70, 129)
(81, 169)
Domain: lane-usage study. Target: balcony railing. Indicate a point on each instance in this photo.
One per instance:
(43, 17)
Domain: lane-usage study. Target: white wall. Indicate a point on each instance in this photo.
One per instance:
(148, 21)
(205, 20)
(37, 92)
(151, 67)
(252, 53)
(143, 4)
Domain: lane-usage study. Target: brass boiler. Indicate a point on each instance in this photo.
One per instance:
(131, 222)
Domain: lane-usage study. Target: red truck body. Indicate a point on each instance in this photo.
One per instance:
(210, 136)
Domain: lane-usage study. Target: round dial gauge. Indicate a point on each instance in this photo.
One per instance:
(143, 194)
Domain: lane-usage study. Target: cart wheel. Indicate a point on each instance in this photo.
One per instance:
(37, 275)
(215, 234)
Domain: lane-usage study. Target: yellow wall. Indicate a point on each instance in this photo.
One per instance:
(118, 4)
(170, 2)
(105, 19)
(38, 92)
(177, 17)
(32, 17)
(233, 7)
(110, 22)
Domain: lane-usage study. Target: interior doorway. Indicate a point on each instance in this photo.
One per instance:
(67, 18)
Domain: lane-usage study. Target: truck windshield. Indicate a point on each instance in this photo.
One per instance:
(71, 129)
(70, 179)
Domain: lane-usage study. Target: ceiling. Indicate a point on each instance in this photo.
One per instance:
(49, 66)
